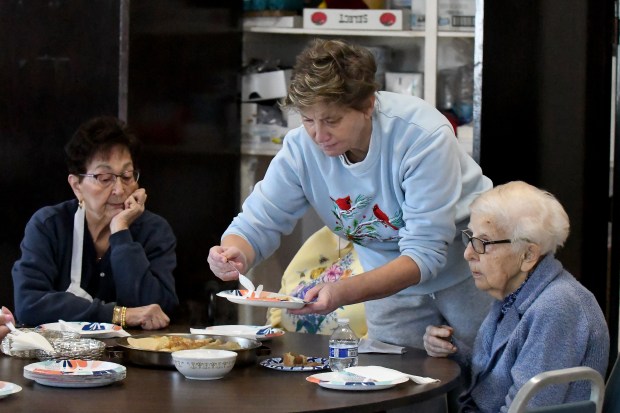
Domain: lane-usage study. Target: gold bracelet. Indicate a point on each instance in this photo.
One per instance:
(116, 315)
(123, 314)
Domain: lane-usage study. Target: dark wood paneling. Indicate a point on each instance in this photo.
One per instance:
(58, 67)
(545, 117)
(184, 64)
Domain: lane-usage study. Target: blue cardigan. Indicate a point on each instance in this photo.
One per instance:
(554, 323)
(135, 271)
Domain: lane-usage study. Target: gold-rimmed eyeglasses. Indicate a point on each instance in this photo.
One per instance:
(109, 179)
(478, 244)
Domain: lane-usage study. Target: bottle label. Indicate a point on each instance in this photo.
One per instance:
(342, 352)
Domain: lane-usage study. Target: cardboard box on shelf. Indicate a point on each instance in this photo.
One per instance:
(452, 15)
(265, 85)
(356, 19)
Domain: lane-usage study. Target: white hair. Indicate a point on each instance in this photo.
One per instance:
(526, 213)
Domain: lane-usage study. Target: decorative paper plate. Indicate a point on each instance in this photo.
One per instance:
(84, 328)
(339, 381)
(276, 364)
(266, 299)
(75, 373)
(260, 333)
(6, 389)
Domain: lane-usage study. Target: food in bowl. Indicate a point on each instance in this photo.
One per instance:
(204, 364)
(177, 343)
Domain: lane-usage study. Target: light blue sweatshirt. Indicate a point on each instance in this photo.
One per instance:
(409, 196)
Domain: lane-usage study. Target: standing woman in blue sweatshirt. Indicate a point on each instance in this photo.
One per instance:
(383, 170)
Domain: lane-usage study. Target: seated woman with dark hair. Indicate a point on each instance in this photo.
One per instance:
(543, 318)
(101, 257)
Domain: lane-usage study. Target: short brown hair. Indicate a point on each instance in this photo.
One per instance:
(332, 72)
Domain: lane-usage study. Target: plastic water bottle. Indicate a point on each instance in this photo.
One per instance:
(343, 347)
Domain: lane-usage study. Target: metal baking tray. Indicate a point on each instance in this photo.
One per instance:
(246, 355)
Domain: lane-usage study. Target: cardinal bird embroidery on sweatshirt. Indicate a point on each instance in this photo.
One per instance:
(357, 221)
(382, 217)
(343, 203)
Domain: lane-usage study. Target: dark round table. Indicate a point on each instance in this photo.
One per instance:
(247, 388)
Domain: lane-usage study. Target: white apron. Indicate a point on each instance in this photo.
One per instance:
(76, 256)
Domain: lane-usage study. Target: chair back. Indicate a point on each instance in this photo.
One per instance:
(612, 391)
(541, 380)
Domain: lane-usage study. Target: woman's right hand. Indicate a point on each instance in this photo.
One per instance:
(222, 260)
(148, 317)
(5, 317)
(438, 341)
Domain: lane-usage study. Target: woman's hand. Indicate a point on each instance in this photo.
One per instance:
(438, 341)
(225, 261)
(134, 207)
(5, 317)
(149, 317)
(323, 299)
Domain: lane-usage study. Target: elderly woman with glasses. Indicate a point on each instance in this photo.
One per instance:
(543, 318)
(101, 257)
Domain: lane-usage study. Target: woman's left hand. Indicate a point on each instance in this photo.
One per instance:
(134, 207)
(149, 317)
(323, 300)
(438, 341)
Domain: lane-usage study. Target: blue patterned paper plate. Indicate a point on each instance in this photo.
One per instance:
(276, 364)
(84, 328)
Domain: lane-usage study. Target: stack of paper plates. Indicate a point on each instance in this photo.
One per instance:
(75, 373)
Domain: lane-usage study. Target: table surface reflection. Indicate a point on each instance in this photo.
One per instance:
(245, 388)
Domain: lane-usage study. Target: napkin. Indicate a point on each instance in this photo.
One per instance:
(30, 341)
(368, 345)
(384, 374)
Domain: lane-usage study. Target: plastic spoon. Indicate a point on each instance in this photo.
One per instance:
(245, 281)
(32, 339)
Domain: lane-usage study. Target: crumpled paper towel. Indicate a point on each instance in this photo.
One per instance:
(368, 345)
(384, 374)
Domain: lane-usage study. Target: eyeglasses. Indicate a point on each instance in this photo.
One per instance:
(109, 179)
(479, 245)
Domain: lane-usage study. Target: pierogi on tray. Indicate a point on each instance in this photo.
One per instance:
(176, 343)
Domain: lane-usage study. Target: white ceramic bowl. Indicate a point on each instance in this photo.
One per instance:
(204, 364)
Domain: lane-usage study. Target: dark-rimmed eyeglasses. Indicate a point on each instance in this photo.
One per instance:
(109, 179)
(478, 244)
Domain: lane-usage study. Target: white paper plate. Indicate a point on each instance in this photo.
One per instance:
(85, 328)
(266, 299)
(75, 373)
(260, 333)
(276, 364)
(338, 381)
(6, 389)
